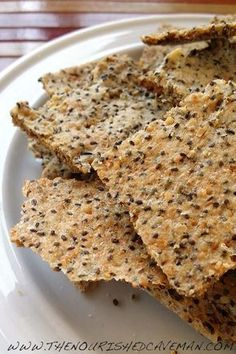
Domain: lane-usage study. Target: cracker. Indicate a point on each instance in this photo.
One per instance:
(38, 150)
(152, 56)
(76, 227)
(224, 19)
(215, 30)
(58, 83)
(176, 178)
(183, 72)
(97, 242)
(213, 315)
(79, 125)
(52, 169)
(68, 79)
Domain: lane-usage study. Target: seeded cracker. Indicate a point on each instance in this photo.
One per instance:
(152, 57)
(53, 169)
(183, 72)
(213, 315)
(68, 79)
(64, 220)
(218, 29)
(81, 124)
(38, 150)
(83, 76)
(59, 83)
(176, 177)
(103, 245)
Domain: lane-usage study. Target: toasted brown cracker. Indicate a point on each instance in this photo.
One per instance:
(59, 83)
(77, 228)
(176, 178)
(38, 150)
(152, 57)
(183, 72)
(52, 169)
(81, 124)
(228, 19)
(213, 315)
(68, 79)
(215, 30)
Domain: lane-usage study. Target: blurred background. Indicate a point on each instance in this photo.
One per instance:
(25, 25)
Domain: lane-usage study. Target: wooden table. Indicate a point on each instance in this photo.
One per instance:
(25, 25)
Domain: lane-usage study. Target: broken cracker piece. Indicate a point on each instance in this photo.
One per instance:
(68, 79)
(176, 178)
(79, 125)
(52, 168)
(57, 223)
(38, 150)
(213, 315)
(215, 30)
(183, 72)
(152, 57)
(77, 228)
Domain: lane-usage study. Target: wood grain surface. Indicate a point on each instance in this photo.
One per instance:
(25, 25)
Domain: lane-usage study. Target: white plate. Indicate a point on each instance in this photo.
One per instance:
(37, 304)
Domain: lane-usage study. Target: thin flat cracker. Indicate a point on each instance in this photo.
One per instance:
(68, 79)
(97, 242)
(79, 125)
(213, 315)
(58, 83)
(76, 227)
(52, 168)
(176, 178)
(218, 29)
(38, 150)
(183, 72)
(153, 56)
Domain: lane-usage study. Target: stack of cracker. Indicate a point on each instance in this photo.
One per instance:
(138, 177)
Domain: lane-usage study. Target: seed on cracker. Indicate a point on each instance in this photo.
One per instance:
(178, 184)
